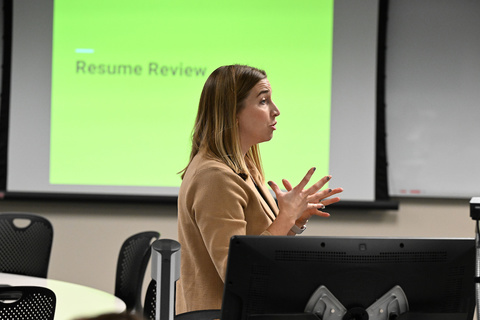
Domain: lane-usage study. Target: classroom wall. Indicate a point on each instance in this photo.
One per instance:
(88, 235)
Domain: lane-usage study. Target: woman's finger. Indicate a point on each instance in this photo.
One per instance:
(274, 187)
(287, 184)
(322, 214)
(324, 194)
(317, 186)
(317, 210)
(316, 197)
(317, 206)
(329, 201)
(305, 179)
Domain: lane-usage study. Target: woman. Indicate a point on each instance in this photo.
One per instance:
(223, 192)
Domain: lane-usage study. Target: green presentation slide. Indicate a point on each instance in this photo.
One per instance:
(127, 78)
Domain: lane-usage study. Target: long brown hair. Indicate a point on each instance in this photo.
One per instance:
(216, 128)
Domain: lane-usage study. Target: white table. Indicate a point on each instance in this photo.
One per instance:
(73, 300)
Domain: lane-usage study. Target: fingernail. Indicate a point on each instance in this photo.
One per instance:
(328, 178)
(269, 183)
(314, 169)
(330, 190)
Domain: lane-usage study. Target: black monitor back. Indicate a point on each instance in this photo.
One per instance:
(278, 275)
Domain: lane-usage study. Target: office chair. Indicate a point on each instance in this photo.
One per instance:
(27, 303)
(131, 265)
(166, 270)
(149, 306)
(151, 302)
(25, 244)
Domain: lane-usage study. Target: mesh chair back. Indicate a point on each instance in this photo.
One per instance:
(150, 304)
(27, 303)
(131, 265)
(150, 307)
(25, 249)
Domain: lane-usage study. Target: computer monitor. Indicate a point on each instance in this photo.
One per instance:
(268, 277)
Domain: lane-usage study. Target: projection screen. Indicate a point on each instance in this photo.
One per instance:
(103, 94)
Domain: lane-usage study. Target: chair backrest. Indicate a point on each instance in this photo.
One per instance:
(25, 244)
(151, 303)
(160, 304)
(131, 266)
(27, 303)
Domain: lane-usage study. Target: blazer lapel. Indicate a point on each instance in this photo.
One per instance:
(264, 195)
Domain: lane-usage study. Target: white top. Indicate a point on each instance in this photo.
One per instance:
(73, 301)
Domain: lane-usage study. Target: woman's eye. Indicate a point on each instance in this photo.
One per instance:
(263, 101)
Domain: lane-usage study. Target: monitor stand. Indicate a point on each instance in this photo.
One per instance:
(405, 316)
(287, 316)
(323, 305)
(327, 307)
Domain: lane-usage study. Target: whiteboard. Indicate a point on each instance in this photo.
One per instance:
(433, 98)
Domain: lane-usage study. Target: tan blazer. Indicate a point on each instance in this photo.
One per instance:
(214, 203)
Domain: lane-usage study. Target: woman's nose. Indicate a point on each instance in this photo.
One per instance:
(276, 111)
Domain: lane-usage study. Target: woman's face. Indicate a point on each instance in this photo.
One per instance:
(256, 121)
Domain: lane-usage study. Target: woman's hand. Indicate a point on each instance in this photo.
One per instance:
(298, 205)
(322, 197)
